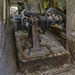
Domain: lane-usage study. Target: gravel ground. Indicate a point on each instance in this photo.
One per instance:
(60, 71)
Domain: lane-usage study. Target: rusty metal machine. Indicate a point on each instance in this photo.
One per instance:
(35, 25)
(32, 43)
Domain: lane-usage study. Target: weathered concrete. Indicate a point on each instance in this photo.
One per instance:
(49, 55)
(8, 60)
(71, 26)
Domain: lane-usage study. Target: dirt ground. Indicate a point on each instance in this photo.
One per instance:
(69, 71)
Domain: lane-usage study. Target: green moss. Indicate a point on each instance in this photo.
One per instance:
(54, 3)
(59, 4)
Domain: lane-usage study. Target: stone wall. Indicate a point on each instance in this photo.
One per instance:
(71, 26)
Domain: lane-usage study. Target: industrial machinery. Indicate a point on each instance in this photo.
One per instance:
(35, 25)
(32, 43)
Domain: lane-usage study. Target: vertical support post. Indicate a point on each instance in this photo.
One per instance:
(7, 12)
(1, 22)
(1, 11)
(35, 37)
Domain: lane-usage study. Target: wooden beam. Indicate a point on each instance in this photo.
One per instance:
(1, 24)
(7, 12)
(17, 0)
(13, 4)
(1, 10)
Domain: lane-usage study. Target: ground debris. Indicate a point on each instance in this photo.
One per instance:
(68, 70)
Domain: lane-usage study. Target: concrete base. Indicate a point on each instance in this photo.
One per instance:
(50, 54)
(43, 64)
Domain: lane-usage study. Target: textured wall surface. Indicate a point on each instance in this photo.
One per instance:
(70, 19)
(71, 26)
